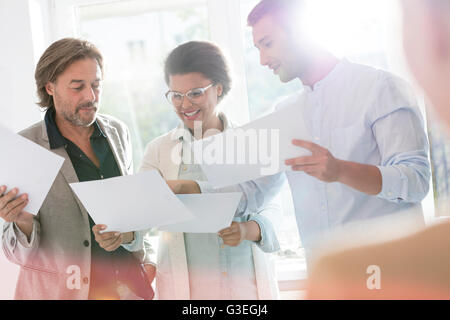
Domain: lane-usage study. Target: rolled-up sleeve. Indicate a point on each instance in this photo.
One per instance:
(269, 241)
(256, 193)
(403, 145)
(16, 246)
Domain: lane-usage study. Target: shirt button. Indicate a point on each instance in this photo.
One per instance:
(184, 169)
(101, 176)
(224, 274)
(86, 243)
(222, 246)
(323, 207)
(85, 280)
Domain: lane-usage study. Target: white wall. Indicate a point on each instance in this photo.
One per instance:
(21, 38)
(17, 62)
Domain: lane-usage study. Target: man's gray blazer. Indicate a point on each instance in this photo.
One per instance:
(59, 251)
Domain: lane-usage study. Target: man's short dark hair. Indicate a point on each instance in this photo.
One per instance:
(284, 11)
(56, 59)
(202, 57)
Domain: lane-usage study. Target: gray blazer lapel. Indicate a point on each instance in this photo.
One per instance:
(67, 170)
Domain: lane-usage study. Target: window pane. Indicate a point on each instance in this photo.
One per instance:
(134, 41)
(264, 91)
(264, 88)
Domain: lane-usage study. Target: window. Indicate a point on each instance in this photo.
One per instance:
(135, 41)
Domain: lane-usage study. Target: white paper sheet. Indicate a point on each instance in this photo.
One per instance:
(213, 211)
(131, 203)
(27, 166)
(274, 134)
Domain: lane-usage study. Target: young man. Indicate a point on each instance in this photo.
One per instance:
(369, 153)
(61, 253)
(416, 266)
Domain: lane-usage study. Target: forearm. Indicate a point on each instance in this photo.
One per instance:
(17, 247)
(184, 186)
(362, 177)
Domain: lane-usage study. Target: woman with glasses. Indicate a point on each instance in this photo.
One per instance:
(231, 264)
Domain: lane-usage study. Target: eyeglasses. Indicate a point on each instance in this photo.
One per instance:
(194, 95)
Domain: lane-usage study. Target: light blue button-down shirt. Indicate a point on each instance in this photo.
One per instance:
(368, 116)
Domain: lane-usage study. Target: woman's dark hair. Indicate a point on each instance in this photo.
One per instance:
(202, 57)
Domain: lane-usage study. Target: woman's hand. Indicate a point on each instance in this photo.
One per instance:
(240, 231)
(183, 186)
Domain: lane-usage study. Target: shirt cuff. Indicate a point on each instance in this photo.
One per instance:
(205, 187)
(269, 241)
(393, 184)
(22, 238)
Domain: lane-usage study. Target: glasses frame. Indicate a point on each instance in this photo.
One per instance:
(203, 90)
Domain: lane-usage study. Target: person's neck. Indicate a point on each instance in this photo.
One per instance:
(73, 132)
(213, 126)
(321, 66)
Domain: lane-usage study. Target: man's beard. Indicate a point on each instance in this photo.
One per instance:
(75, 118)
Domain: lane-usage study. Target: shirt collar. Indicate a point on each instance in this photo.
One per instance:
(55, 138)
(338, 68)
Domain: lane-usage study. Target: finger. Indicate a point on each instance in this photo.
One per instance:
(115, 244)
(223, 231)
(4, 200)
(15, 203)
(308, 160)
(107, 243)
(227, 232)
(231, 238)
(2, 190)
(231, 242)
(307, 169)
(14, 214)
(230, 229)
(98, 228)
(306, 145)
(107, 236)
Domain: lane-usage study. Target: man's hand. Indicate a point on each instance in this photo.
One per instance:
(11, 210)
(109, 241)
(321, 164)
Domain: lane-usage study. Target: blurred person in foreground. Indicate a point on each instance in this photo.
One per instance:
(416, 266)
